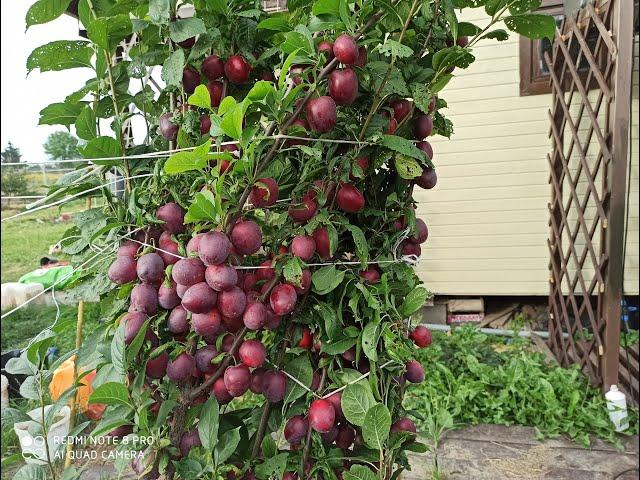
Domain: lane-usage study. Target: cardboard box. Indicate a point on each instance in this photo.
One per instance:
(461, 318)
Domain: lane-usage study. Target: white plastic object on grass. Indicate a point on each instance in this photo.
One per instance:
(33, 446)
(617, 406)
(15, 293)
(5, 393)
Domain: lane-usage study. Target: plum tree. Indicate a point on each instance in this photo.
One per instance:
(249, 259)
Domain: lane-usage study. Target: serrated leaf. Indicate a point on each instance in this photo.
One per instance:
(111, 393)
(186, 28)
(226, 445)
(292, 271)
(370, 336)
(357, 399)
(160, 11)
(339, 346)
(273, 467)
(414, 300)
(499, 35)
(172, 68)
(29, 388)
(202, 209)
(196, 159)
(441, 82)
(118, 356)
(86, 124)
(44, 11)
(60, 114)
(200, 97)
(208, 424)
(403, 146)
(31, 472)
(377, 423)
(60, 55)
(392, 48)
(532, 25)
(108, 32)
(102, 147)
(326, 279)
(359, 472)
(407, 167)
(360, 241)
(301, 369)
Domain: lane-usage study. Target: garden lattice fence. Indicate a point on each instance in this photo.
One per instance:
(590, 69)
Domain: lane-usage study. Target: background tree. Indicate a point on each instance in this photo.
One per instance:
(61, 145)
(14, 180)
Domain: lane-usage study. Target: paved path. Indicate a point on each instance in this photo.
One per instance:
(492, 452)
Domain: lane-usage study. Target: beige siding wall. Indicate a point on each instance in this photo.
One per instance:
(488, 220)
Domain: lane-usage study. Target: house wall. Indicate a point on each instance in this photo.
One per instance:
(488, 215)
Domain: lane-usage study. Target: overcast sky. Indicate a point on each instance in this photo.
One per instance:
(23, 97)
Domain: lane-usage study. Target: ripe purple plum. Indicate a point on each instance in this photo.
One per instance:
(343, 86)
(336, 402)
(199, 298)
(133, 322)
(206, 324)
(303, 210)
(371, 275)
(237, 380)
(323, 244)
(401, 108)
(422, 126)
(274, 386)
(346, 436)
(167, 128)
(232, 302)
(128, 249)
(255, 316)
(256, 380)
(156, 368)
(172, 215)
(212, 67)
(180, 368)
(303, 246)
(246, 237)
(321, 114)
(190, 79)
(345, 49)
(150, 268)
(178, 321)
(414, 371)
(188, 271)
(428, 179)
(237, 69)
(169, 249)
(214, 248)
(189, 440)
(168, 296)
(123, 270)
(322, 415)
(283, 299)
(426, 148)
(349, 199)
(220, 391)
(422, 232)
(216, 89)
(296, 429)
(252, 353)
(403, 424)
(421, 336)
(144, 298)
(264, 193)
(204, 356)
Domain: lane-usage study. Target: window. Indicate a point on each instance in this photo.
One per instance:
(534, 72)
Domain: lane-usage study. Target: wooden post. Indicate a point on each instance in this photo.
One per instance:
(614, 237)
(74, 399)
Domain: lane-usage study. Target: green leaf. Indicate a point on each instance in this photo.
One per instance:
(29, 388)
(356, 402)
(452, 57)
(524, 6)
(441, 82)
(118, 354)
(414, 301)
(208, 424)
(183, 29)
(326, 7)
(395, 83)
(359, 472)
(200, 97)
(86, 124)
(468, 29)
(276, 22)
(532, 25)
(326, 279)
(403, 146)
(60, 55)
(301, 369)
(231, 123)
(360, 241)
(297, 41)
(492, 6)
(227, 444)
(339, 346)
(31, 472)
(273, 467)
(108, 32)
(10, 416)
(370, 336)
(160, 11)
(102, 147)
(407, 167)
(292, 271)
(196, 159)
(500, 35)
(44, 11)
(111, 393)
(60, 114)
(377, 423)
(450, 17)
(172, 69)
(202, 209)
(392, 48)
